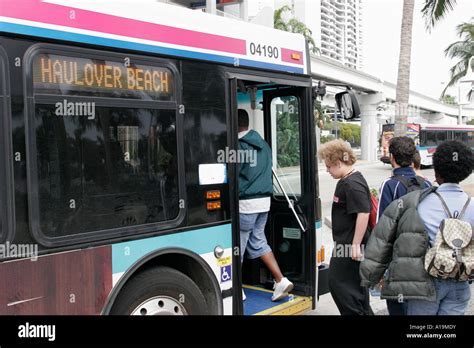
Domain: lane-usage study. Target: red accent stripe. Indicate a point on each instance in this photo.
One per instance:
(34, 10)
(286, 56)
(450, 129)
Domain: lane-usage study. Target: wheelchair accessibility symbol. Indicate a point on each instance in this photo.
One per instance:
(226, 273)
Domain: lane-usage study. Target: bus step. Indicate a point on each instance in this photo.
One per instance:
(259, 302)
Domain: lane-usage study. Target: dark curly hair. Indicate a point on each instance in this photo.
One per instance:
(453, 161)
(402, 149)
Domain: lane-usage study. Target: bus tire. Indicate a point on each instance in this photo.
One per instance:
(160, 291)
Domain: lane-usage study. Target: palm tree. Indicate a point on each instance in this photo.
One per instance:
(294, 26)
(435, 10)
(462, 50)
(403, 82)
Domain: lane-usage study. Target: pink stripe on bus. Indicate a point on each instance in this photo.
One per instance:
(291, 56)
(35, 10)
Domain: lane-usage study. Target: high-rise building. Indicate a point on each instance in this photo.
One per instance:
(336, 24)
(341, 31)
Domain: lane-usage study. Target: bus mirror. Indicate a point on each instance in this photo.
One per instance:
(347, 104)
(319, 90)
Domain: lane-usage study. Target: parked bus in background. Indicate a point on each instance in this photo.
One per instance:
(427, 137)
(119, 160)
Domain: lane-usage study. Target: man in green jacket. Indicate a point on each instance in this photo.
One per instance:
(255, 190)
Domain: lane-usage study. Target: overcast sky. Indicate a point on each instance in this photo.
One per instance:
(429, 66)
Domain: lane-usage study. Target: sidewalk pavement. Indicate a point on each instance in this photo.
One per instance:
(326, 305)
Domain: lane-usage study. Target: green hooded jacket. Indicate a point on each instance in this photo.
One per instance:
(255, 175)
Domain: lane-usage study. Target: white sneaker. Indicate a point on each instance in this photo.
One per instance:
(281, 289)
(243, 295)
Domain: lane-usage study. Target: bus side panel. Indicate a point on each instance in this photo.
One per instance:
(76, 282)
(205, 137)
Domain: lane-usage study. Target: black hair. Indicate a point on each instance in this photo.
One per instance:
(402, 149)
(243, 118)
(453, 161)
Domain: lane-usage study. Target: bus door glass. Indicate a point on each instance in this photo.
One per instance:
(289, 223)
(282, 115)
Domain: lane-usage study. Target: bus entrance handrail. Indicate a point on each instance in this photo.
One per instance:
(290, 202)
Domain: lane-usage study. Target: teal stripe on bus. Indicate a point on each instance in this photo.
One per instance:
(426, 147)
(200, 241)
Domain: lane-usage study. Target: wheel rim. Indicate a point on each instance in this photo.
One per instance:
(160, 305)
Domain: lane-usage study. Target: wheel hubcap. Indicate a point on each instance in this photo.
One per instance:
(160, 305)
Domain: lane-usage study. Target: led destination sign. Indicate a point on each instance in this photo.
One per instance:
(55, 74)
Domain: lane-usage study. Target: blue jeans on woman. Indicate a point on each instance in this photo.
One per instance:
(452, 298)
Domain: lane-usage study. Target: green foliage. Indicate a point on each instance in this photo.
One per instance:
(350, 132)
(462, 51)
(321, 119)
(435, 10)
(294, 26)
(448, 99)
(326, 138)
(288, 143)
(471, 122)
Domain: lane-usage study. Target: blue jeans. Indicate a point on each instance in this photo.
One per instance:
(452, 298)
(252, 235)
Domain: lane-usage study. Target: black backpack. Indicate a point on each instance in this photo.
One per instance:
(411, 184)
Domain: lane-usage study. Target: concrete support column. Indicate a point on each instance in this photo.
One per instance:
(244, 10)
(369, 125)
(211, 7)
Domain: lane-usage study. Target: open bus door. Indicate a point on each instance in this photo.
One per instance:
(286, 123)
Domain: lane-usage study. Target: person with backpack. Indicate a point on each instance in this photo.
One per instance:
(406, 244)
(448, 217)
(402, 151)
(349, 216)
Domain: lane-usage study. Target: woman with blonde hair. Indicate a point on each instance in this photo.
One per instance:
(350, 215)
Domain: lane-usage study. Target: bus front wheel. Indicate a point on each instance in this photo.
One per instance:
(160, 291)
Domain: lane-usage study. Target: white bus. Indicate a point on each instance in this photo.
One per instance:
(427, 137)
(113, 116)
